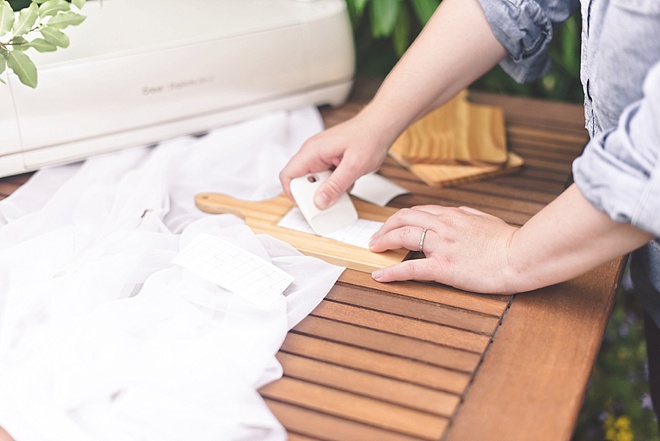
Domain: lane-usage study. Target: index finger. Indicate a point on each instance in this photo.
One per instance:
(415, 269)
(300, 165)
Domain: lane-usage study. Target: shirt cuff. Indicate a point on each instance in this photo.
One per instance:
(619, 171)
(525, 30)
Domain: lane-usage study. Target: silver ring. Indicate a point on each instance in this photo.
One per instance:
(421, 241)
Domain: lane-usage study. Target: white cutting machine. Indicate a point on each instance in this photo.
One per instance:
(141, 71)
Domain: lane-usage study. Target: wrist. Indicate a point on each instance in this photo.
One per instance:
(384, 122)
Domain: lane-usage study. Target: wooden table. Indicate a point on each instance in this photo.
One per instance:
(421, 361)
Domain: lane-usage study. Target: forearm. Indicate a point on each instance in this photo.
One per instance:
(565, 239)
(455, 48)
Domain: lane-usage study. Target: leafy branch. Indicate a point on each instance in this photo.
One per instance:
(38, 26)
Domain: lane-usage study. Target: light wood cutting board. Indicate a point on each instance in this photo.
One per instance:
(459, 132)
(263, 216)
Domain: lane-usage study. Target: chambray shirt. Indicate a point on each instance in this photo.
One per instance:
(619, 170)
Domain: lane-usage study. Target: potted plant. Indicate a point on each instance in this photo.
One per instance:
(35, 24)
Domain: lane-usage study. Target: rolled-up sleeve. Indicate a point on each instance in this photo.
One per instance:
(619, 170)
(524, 27)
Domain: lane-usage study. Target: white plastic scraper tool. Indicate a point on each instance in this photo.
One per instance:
(324, 222)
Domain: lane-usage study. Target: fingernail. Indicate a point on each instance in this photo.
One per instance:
(322, 201)
(377, 275)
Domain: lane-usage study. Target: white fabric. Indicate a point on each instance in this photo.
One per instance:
(102, 337)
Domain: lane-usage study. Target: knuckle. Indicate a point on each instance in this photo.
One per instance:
(332, 187)
(411, 269)
(405, 214)
(350, 165)
(449, 220)
(408, 232)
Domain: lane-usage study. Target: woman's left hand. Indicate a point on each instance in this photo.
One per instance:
(463, 247)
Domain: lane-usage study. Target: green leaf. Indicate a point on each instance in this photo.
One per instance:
(26, 20)
(359, 6)
(570, 46)
(401, 33)
(64, 19)
(383, 17)
(78, 3)
(23, 67)
(424, 9)
(356, 10)
(6, 17)
(52, 7)
(55, 36)
(42, 45)
(3, 63)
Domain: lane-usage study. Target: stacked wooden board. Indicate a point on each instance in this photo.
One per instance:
(460, 141)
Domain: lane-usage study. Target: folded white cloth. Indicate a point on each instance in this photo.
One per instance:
(102, 337)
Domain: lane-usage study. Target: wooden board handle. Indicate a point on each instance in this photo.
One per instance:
(216, 203)
(263, 216)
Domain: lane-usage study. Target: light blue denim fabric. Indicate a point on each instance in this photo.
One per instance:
(525, 29)
(619, 170)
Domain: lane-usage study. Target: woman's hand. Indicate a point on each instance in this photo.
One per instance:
(463, 247)
(431, 71)
(474, 251)
(351, 149)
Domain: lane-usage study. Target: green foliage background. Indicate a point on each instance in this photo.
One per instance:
(384, 29)
(616, 406)
(19, 4)
(33, 25)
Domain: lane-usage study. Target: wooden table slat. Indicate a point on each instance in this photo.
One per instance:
(361, 383)
(420, 310)
(409, 327)
(316, 425)
(540, 149)
(561, 142)
(432, 292)
(391, 344)
(377, 363)
(298, 437)
(463, 197)
(526, 180)
(516, 192)
(358, 408)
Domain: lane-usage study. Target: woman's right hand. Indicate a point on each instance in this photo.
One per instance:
(351, 149)
(443, 60)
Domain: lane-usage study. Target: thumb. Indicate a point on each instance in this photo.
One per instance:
(337, 184)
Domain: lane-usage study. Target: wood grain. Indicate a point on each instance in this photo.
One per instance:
(457, 132)
(263, 216)
(545, 366)
(355, 407)
(435, 175)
